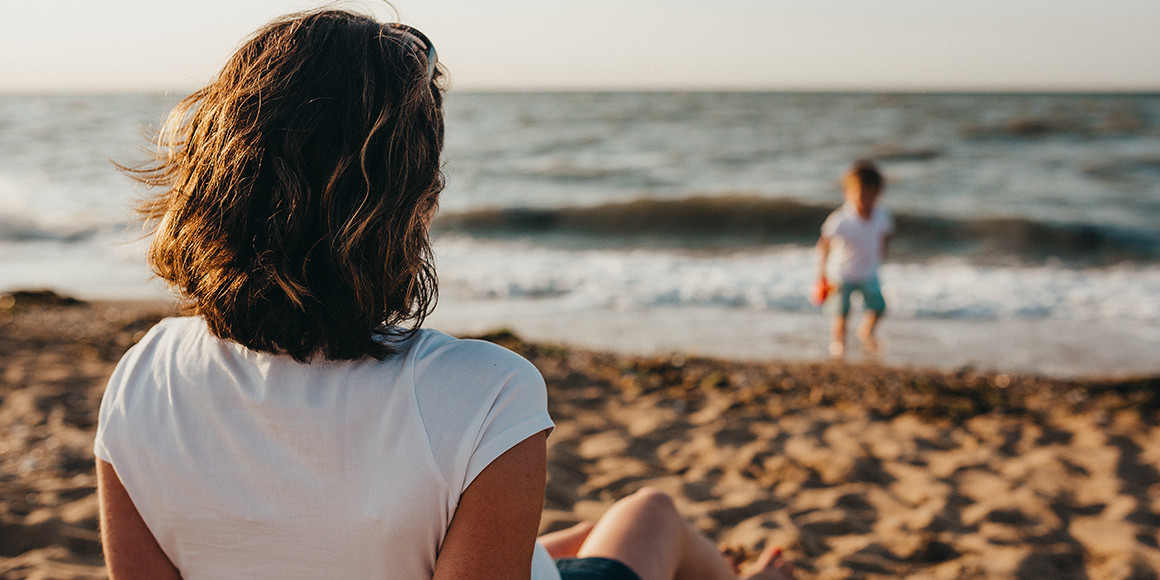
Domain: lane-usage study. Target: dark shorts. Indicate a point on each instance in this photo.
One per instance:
(838, 304)
(594, 569)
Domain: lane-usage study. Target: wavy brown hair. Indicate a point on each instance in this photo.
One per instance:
(297, 189)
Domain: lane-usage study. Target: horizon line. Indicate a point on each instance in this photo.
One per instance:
(954, 90)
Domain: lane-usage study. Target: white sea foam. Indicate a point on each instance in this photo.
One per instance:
(107, 266)
(779, 279)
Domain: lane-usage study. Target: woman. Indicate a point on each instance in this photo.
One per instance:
(300, 423)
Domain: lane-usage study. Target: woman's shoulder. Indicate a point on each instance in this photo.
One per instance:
(174, 325)
(430, 345)
(168, 331)
(426, 351)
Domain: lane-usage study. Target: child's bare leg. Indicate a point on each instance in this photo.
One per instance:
(566, 543)
(645, 532)
(866, 330)
(838, 337)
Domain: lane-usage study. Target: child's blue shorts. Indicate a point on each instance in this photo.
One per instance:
(594, 569)
(838, 304)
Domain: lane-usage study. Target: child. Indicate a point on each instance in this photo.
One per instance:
(858, 233)
(301, 423)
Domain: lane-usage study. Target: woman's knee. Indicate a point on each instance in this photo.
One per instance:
(651, 503)
(643, 531)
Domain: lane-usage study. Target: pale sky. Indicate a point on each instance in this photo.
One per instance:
(1028, 45)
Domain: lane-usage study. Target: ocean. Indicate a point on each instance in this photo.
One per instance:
(1028, 224)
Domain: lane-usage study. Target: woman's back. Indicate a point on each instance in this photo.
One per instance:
(247, 464)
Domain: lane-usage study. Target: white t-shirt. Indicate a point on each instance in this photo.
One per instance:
(250, 465)
(857, 243)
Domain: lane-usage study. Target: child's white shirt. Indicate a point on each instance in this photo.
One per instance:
(857, 243)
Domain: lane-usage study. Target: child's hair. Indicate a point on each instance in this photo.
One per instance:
(298, 187)
(864, 172)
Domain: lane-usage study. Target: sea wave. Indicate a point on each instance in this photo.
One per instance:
(778, 280)
(725, 223)
(20, 229)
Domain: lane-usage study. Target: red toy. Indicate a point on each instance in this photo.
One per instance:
(820, 291)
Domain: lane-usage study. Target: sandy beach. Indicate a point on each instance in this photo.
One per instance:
(858, 470)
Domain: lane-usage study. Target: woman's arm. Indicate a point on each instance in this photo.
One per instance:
(131, 551)
(494, 528)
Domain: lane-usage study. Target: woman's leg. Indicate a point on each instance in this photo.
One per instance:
(566, 543)
(645, 532)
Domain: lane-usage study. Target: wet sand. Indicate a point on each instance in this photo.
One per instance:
(1066, 349)
(858, 470)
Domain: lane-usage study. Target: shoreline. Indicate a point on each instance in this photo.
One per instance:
(1056, 350)
(856, 469)
(1053, 349)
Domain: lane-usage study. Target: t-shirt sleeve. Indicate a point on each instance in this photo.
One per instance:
(111, 421)
(99, 448)
(109, 403)
(478, 400)
(830, 226)
(519, 411)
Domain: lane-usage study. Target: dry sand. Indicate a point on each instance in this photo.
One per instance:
(859, 471)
